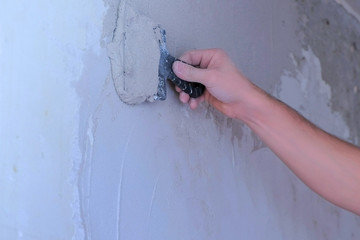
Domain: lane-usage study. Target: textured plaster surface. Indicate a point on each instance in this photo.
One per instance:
(78, 163)
(301, 89)
(134, 55)
(42, 46)
(334, 37)
(351, 6)
(162, 171)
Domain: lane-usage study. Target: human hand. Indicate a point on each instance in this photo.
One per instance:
(226, 87)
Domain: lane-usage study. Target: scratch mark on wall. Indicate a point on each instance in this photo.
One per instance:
(233, 154)
(87, 165)
(89, 146)
(119, 196)
(79, 228)
(349, 8)
(152, 203)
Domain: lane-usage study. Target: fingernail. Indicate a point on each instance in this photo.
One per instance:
(177, 67)
(183, 99)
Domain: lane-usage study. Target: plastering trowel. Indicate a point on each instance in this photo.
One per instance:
(140, 61)
(165, 72)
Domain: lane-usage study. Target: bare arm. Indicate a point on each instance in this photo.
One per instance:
(328, 165)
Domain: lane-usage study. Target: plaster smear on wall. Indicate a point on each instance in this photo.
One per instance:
(134, 54)
(334, 37)
(307, 92)
(313, 89)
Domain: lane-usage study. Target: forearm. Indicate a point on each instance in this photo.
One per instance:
(326, 164)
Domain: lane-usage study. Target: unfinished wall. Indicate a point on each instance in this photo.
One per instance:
(79, 163)
(42, 50)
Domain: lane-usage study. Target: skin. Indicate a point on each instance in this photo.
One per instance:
(328, 165)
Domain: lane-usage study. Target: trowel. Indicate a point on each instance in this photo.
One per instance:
(140, 61)
(194, 89)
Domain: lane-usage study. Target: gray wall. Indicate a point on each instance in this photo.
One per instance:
(78, 163)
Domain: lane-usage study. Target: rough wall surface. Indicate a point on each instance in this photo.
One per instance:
(351, 6)
(166, 179)
(42, 45)
(334, 36)
(78, 163)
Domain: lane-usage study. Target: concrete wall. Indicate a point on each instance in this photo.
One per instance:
(77, 163)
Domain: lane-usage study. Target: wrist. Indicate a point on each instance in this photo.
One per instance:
(252, 103)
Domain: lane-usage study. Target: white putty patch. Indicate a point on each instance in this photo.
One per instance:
(308, 93)
(134, 54)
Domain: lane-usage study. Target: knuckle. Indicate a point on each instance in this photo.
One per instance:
(187, 71)
(221, 53)
(212, 76)
(190, 52)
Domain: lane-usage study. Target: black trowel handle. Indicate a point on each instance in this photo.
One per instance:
(194, 89)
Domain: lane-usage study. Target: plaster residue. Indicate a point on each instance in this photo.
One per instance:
(134, 54)
(308, 93)
(334, 37)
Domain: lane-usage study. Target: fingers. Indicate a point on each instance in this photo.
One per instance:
(178, 89)
(194, 102)
(200, 58)
(204, 59)
(190, 73)
(207, 60)
(184, 97)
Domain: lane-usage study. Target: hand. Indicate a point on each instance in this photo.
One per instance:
(326, 164)
(226, 87)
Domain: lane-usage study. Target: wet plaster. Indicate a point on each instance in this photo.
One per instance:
(334, 36)
(134, 54)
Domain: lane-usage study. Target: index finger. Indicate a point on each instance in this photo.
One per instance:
(200, 58)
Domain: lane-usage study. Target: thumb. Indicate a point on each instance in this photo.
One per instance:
(189, 73)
